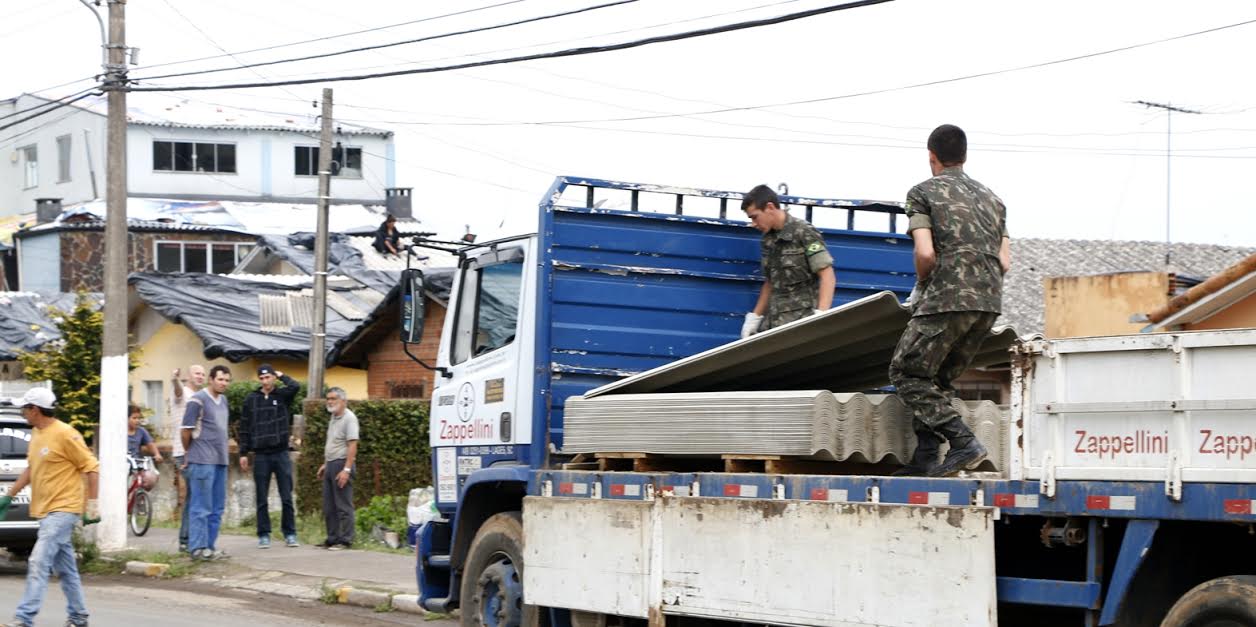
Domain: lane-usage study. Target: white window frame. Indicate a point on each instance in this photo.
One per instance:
(361, 171)
(194, 142)
(209, 247)
(65, 152)
(30, 167)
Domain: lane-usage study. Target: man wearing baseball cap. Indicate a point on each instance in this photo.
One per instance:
(56, 460)
(264, 429)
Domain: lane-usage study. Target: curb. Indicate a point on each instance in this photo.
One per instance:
(406, 603)
(146, 569)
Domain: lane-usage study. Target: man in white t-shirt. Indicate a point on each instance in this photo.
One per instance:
(181, 391)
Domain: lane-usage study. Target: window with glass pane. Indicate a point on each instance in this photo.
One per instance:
(350, 162)
(464, 325)
(63, 159)
(242, 251)
(498, 308)
(226, 158)
(223, 258)
(306, 159)
(184, 157)
(205, 158)
(30, 166)
(195, 257)
(169, 257)
(163, 156)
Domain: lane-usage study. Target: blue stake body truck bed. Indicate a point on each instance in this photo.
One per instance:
(1127, 498)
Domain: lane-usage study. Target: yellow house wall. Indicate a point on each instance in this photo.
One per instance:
(1240, 315)
(1082, 306)
(175, 346)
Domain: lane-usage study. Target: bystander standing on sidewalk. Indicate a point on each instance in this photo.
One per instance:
(204, 436)
(179, 395)
(336, 473)
(265, 426)
(57, 459)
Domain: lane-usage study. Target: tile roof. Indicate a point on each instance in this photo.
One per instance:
(1036, 259)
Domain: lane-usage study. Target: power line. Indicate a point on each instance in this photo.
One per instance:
(396, 43)
(47, 111)
(47, 103)
(339, 35)
(574, 52)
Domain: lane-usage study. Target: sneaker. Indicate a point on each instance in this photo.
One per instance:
(291, 541)
(337, 547)
(183, 547)
(217, 554)
(325, 544)
(203, 555)
(69, 622)
(263, 542)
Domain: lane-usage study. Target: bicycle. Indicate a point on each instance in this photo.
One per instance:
(139, 505)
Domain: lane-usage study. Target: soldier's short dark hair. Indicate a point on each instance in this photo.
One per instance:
(213, 372)
(759, 197)
(949, 143)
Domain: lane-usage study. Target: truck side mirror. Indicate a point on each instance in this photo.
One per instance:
(413, 306)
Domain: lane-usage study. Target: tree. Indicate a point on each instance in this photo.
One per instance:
(72, 364)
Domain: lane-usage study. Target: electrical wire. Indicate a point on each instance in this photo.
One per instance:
(47, 111)
(325, 55)
(47, 103)
(337, 36)
(573, 52)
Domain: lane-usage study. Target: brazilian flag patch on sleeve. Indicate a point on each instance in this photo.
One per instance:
(814, 248)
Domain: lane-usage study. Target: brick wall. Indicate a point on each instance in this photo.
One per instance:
(83, 254)
(391, 374)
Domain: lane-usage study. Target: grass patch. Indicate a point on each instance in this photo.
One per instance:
(437, 616)
(114, 563)
(310, 531)
(329, 595)
(384, 607)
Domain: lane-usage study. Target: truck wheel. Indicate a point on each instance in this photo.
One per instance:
(492, 582)
(1222, 602)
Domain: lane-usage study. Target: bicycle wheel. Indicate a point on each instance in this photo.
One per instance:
(141, 513)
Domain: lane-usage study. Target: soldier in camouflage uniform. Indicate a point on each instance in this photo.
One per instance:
(797, 267)
(961, 252)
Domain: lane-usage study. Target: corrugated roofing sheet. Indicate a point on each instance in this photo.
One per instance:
(845, 349)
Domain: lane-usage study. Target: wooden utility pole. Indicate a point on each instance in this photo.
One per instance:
(111, 433)
(318, 335)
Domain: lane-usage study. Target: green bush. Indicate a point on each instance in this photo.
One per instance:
(386, 511)
(393, 453)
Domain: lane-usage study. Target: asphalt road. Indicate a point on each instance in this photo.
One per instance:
(126, 601)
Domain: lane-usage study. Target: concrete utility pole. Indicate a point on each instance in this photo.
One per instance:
(318, 336)
(111, 434)
(1168, 169)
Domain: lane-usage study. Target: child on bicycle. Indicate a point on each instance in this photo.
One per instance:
(138, 439)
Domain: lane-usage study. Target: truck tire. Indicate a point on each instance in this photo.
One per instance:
(492, 581)
(1222, 602)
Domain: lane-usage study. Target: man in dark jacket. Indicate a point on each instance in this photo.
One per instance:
(265, 423)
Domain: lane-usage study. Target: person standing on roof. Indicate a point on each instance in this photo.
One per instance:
(798, 277)
(959, 228)
(265, 425)
(387, 239)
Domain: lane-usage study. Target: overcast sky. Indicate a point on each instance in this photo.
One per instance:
(1062, 144)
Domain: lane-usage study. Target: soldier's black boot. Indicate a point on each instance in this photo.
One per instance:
(925, 458)
(966, 451)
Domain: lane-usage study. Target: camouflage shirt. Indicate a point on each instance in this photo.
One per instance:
(969, 223)
(791, 258)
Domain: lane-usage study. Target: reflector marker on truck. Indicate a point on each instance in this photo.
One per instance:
(741, 491)
(1240, 506)
(1123, 503)
(929, 498)
(625, 489)
(1016, 501)
(575, 489)
(824, 494)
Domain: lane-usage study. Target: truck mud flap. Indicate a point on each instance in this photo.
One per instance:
(769, 561)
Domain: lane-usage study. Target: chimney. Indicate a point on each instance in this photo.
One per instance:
(397, 201)
(47, 209)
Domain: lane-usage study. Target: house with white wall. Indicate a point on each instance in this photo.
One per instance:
(185, 150)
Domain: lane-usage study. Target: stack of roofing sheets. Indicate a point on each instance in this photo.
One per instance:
(814, 424)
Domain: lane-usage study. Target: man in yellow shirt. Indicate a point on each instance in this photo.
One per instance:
(56, 460)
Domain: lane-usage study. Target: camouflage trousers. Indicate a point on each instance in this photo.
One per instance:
(933, 351)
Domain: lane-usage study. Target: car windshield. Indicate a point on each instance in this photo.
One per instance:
(14, 438)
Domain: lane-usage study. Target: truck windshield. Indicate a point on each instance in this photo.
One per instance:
(498, 310)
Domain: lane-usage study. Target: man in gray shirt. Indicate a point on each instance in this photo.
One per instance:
(204, 436)
(336, 473)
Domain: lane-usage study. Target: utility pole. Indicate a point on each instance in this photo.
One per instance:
(111, 433)
(1168, 169)
(318, 337)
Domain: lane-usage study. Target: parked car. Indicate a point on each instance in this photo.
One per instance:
(18, 529)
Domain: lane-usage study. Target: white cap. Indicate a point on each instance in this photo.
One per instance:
(39, 397)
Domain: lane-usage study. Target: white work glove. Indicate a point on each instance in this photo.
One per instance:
(751, 325)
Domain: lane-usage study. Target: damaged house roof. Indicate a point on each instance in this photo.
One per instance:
(28, 322)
